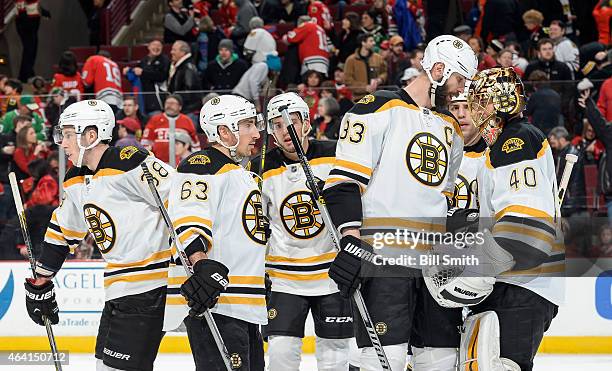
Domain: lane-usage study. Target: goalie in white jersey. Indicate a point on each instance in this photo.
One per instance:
(300, 250)
(396, 163)
(106, 195)
(517, 192)
(215, 207)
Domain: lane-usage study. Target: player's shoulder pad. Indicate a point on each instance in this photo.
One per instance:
(446, 115)
(321, 148)
(205, 162)
(74, 173)
(122, 158)
(519, 141)
(373, 102)
(273, 160)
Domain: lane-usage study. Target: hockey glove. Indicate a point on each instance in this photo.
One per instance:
(203, 288)
(462, 220)
(347, 266)
(40, 301)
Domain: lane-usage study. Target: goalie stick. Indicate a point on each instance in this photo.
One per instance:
(28, 242)
(570, 160)
(212, 325)
(310, 178)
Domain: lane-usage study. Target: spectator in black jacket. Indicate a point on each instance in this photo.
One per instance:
(346, 42)
(603, 132)
(555, 70)
(183, 78)
(153, 72)
(289, 10)
(225, 71)
(543, 106)
(501, 20)
(178, 23)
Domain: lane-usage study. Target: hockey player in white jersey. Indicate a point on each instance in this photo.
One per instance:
(519, 204)
(105, 194)
(215, 207)
(396, 164)
(300, 251)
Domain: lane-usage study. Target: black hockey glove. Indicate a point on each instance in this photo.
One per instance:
(203, 288)
(346, 268)
(462, 220)
(40, 301)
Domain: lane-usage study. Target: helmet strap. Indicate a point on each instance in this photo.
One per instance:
(232, 149)
(82, 149)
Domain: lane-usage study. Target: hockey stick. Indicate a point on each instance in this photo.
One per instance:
(310, 178)
(264, 144)
(28, 242)
(570, 160)
(212, 325)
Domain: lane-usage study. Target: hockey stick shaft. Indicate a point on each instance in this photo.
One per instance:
(212, 325)
(310, 179)
(28, 242)
(264, 143)
(570, 160)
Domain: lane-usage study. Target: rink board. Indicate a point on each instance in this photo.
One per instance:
(583, 325)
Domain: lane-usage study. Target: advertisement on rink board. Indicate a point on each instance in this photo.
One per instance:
(80, 296)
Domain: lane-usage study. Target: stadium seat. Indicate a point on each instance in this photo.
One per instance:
(83, 52)
(216, 17)
(139, 52)
(594, 199)
(166, 49)
(119, 53)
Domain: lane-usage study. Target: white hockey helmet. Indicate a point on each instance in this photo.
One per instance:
(294, 104)
(456, 55)
(463, 96)
(83, 114)
(226, 110)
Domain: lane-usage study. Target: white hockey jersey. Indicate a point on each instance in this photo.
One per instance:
(300, 250)
(466, 184)
(518, 195)
(395, 166)
(115, 205)
(216, 200)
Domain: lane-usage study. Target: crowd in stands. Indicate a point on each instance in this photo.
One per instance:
(332, 53)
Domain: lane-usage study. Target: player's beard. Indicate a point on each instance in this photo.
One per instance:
(442, 98)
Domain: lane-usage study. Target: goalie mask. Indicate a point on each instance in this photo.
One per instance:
(294, 104)
(495, 96)
(84, 114)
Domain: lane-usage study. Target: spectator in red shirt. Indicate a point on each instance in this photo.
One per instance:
(310, 91)
(156, 133)
(227, 13)
(485, 61)
(312, 44)
(103, 74)
(28, 149)
(604, 102)
(504, 59)
(320, 14)
(602, 14)
(41, 188)
(68, 76)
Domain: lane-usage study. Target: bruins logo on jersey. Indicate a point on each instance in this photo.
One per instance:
(367, 99)
(101, 227)
(300, 215)
(427, 159)
(462, 197)
(513, 144)
(199, 160)
(253, 219)
(127, 152)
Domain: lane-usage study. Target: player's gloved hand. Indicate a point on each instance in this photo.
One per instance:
(268, 231)
(40, 301)
(268, 283)
(462, 220)
(346, 268)
(203, 288)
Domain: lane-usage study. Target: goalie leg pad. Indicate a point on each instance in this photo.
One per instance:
(332, 354)
(433, 359)
(480, 344)
(284, 352)
(396, 354)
